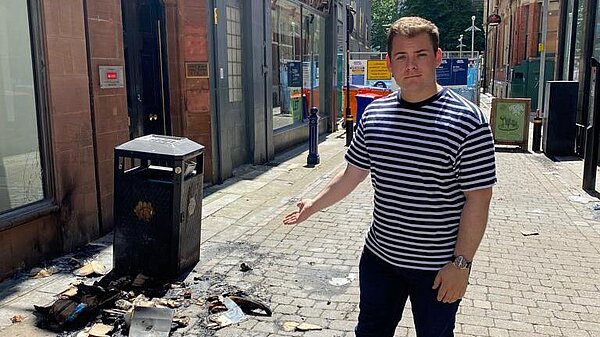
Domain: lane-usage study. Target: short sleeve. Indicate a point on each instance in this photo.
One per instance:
(476, 160)
(357, 154)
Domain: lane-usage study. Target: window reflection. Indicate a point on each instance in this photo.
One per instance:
(296, 47)
(578, 42)
(20, 165)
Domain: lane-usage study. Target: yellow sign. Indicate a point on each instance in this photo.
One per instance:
(541, 47)
(378, 70)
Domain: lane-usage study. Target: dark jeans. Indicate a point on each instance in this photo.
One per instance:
(383, 292)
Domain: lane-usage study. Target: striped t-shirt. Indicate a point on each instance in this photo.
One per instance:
(422, 156)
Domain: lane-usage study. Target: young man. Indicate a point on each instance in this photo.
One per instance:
(431, 157)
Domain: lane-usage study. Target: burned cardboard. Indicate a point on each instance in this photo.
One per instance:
(75, 311)
(232, 315)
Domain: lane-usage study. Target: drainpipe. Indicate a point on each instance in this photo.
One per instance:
(214, 81)
(101, 228)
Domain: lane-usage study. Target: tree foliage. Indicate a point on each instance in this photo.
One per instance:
(451, 16)
(383, 12)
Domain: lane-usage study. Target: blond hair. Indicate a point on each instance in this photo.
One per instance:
(411, 26)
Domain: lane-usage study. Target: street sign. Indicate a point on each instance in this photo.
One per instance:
(378, 70)
(452, 72)
(459, 71)
(358, 71)
(443, 73)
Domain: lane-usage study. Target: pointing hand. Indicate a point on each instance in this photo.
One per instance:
(299, 215)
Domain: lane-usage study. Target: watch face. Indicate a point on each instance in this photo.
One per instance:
(460, 262)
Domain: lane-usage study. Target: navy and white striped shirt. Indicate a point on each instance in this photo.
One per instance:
(422, 157)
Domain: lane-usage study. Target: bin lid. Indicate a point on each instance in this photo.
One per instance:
(370, 95)
(168, 146)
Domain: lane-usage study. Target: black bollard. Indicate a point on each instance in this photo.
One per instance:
(537, 132)
(313, 138)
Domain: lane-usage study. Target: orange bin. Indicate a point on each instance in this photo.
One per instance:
(375, 91)
(356, 90)
(315, 98)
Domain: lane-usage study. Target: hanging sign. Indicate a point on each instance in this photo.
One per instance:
(494, 20)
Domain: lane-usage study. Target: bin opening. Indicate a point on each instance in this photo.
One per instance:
(152, 173)
(189, 169)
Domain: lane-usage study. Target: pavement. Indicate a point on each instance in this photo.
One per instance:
(547, 284)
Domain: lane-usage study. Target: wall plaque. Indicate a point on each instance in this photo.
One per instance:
(111, 77)
(196, 70)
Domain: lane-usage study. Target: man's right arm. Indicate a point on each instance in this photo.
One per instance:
(338, 188)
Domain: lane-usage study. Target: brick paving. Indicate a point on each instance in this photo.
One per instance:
(539, 285)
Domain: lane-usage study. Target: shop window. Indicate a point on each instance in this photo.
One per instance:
(297, 46)
(578, 42)
(234, 54)
(568, 42)
(21, 181)
(596, 52)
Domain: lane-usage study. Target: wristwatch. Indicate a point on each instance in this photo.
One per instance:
(461, 262)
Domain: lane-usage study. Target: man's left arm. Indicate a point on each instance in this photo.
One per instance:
(451, 281)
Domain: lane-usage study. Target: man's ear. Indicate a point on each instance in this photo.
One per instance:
(388, 61)
(438, 57)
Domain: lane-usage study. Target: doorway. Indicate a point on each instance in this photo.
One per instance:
(232, 131)
(144, 43)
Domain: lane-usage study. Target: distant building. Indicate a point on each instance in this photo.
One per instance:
(578, 43)
(512, 58)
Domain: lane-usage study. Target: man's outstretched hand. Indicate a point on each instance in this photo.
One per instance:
(299, 215)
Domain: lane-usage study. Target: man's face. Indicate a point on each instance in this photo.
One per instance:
(413, 62)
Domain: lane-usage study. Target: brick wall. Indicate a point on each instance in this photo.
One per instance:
(533, 30)
(27, 244)
(191, 103)
(71, 128)
(520, 48)
(110, 115)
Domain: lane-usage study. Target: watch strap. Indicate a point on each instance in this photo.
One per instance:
(462, 260)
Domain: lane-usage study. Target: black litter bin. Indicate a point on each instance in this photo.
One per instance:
(157, 205)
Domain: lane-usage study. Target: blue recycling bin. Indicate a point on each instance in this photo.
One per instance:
(362, 100)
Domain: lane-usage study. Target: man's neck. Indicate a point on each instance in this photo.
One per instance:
(420, 96)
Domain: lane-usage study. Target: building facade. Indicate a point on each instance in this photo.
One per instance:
(79, 77)
(579, 43)
(512, 55)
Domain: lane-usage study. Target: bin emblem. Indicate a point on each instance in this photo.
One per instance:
(144, 210)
